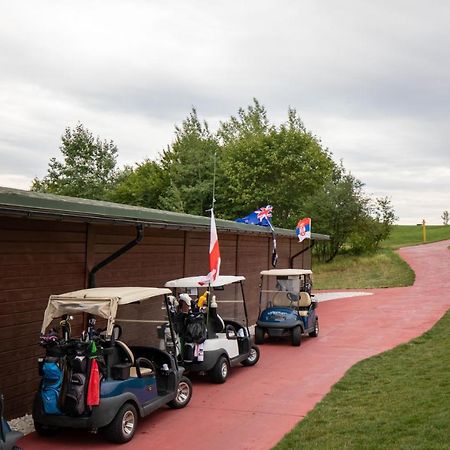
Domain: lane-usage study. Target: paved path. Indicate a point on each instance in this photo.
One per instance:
(258, 405)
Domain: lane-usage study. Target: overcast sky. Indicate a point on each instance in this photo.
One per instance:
(371, 79)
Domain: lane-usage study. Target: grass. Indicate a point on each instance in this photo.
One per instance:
(405, 235)
(382, 269)
(397, 400)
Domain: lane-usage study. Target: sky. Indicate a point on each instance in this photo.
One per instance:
(370, 79)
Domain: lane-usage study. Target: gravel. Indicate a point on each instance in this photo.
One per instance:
(23, 424)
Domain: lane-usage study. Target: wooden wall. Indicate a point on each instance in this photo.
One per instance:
(40, 257)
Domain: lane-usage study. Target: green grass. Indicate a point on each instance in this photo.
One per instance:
(399, 400)
(405, 235)
(382, 269)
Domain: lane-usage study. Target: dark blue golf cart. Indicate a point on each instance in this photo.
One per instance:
(106, 378)
(8, 437)
(286, 305)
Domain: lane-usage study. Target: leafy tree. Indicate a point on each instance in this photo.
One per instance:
(87, 170)
(445, 217)
(337, 208)
(265, 164)
(141, 186)
(188, 165)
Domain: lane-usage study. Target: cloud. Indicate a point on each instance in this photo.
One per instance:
(371, 79)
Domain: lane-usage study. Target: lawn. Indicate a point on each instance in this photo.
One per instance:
(382, 269)
(405, 235)
(396, 400)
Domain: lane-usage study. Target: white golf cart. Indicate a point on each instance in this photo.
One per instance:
(206, 343)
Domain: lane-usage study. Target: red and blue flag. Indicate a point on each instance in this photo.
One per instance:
(303, 229)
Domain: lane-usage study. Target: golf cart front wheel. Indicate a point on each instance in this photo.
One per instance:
(184, 394)
(259, 335)
(253, 357)
(219, 373)
(296, 336)
(123, 426)
(315, 333)
(45, 430)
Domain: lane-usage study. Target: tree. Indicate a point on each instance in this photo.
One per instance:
(87, 170)
(337, 208)
(188, 165)
(265, 164)
(445, 217)
(141, 186)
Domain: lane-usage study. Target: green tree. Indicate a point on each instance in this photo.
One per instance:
(141, 186)
(444, 217)
(265, 164)
(188, 165)
(87, 170)
(337, 209)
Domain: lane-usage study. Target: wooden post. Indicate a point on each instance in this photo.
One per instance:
(424, 231)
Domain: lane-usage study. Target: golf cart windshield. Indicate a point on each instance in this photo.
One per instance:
(226, 291)
(128, 305)
(283, 287)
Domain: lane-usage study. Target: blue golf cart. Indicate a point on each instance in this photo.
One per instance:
(286, 305)
(108, 377)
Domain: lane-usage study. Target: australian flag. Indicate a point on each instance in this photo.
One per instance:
(259, 217)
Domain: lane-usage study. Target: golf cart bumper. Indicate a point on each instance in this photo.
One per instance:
(100, 416)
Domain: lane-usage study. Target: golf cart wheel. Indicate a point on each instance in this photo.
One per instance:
(184, 393)
(259, 335)
(219, 373)
(123, 426)
(253, 357)
(45, 430)
(296, 336)
(315, 333)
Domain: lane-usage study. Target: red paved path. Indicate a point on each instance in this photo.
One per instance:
(258, 405)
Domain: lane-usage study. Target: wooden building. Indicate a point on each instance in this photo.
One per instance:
(50, 244)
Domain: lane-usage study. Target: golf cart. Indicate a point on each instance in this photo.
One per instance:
(206, 343)
(288, 308)
(8, 437)
(106, 378)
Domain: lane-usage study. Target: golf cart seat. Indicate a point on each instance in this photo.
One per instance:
(281, 299)
(304, 303)
(145, 371)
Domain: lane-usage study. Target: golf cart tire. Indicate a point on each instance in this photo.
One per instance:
(253, 357)
(315, 333)
(184, 394)
(116, 431)
(259, 335)
(45, 430)
(219, 373)
(296, 336)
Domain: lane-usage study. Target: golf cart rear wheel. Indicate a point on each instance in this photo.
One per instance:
(296, 336)
(45, 430)
(315, 333)
(259, 335)
(123, 426)
(253, 357)
(184, 393)
(219, 373)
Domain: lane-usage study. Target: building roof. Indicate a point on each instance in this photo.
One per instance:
(16, 202)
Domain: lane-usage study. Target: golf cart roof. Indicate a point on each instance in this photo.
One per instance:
(101, 302)
(192, 282)
(286, 272)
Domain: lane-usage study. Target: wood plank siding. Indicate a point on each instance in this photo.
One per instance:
(43, 257)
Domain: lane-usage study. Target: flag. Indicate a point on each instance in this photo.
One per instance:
(214, 254)
(303, 229)
(259, 217)
(262, 217)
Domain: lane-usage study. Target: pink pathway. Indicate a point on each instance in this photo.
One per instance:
(258, 405)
